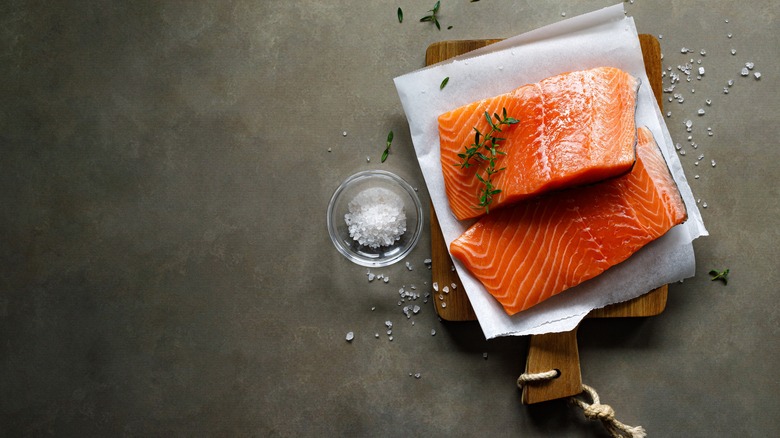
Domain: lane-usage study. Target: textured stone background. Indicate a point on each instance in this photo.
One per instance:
(165, 268)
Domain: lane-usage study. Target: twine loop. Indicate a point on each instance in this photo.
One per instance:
(593, 411)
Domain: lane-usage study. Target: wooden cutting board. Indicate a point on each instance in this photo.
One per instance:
(554, 350)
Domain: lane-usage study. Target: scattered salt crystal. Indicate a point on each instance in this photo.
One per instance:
(713, 163)
(703, 52)
(725, 90)
(389, 324)
(441, 297)
(682, 152)
(708, 102)
(371, 277)
(668, 114)
(484, 356)
(660, 36)
(685, 50)
(700, 156)
(453, 286)
(700, 111)
(416, 309)
(726, 20)
(696, 176)
(417, 375)
(563, 14)
(386, 279)
(328, 149)
(733, 51)
(696, 163)
(373, 308)
(709, 133)
(445, 289)
(368, 159)
(433, 332)
(688, 123)
(390, 338)
(701, 70)
(443, 305)
(436, 286)
(376, 335)
(344, 133)
(678, 146)
(744, 71)
(729, 35)
(730, 82)
(749, 65)
(757, 75)
(704, 205)
(690, 137)
(350, 336)
(408, 266)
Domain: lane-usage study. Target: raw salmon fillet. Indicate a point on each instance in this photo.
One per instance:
(575, 128)
(528, 252)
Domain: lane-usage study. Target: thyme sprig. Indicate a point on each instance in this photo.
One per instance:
(485, 150)
(432, 16)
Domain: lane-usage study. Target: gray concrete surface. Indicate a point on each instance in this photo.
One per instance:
(165, 268)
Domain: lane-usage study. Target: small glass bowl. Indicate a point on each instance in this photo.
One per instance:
(339, 231)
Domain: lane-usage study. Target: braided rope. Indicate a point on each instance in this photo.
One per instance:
(593, 411)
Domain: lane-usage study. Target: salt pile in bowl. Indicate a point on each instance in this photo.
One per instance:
(376, 217)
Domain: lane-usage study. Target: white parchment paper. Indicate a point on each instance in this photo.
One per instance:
(602, 38)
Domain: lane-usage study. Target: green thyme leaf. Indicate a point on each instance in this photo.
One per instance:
(444, 83)
(432, 17)
(720, 275)
(387, 149)
(400, 15)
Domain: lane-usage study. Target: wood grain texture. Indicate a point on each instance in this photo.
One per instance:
(553, 351)
(458, 307)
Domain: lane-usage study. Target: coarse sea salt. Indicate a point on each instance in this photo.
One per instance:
(376, 217)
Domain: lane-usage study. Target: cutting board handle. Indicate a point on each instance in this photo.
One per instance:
(547, 352)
